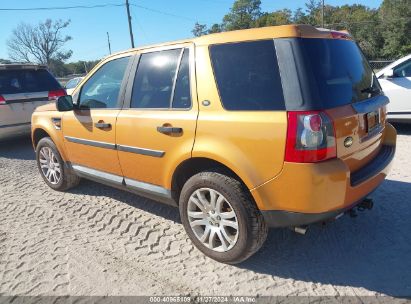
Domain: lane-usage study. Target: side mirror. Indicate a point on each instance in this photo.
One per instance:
(389, 73)
(64, 103)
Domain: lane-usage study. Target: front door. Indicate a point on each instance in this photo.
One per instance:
(157, 130)
(90, 130)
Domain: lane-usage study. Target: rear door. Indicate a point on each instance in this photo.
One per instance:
(22, 91)
(334, 76)
(156, 129)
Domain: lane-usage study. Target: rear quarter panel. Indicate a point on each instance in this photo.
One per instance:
(250, 143)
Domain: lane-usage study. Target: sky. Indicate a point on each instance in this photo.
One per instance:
(153, 21)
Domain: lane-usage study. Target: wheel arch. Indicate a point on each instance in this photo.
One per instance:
(39, 133)
(194, 165)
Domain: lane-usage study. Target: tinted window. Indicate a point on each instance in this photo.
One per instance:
(103, 88)
(247, 75)
(403, 70)
(26, 81)
(72, 83)
(341, 74)
(182, 93)
(154, 80)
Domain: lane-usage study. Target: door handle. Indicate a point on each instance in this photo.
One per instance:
(102, 125)
(170, 130)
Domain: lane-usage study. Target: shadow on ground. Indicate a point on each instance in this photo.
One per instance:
(18, 148)
(372, 251)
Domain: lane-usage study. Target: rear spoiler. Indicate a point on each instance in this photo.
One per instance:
(22, 66)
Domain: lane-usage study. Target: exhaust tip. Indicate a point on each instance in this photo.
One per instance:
(301, 229)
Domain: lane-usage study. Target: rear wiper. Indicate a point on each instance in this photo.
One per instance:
(370, 90)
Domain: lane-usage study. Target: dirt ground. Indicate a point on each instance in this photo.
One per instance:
(95, 240)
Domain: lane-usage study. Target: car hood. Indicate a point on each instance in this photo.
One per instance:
(47, 108)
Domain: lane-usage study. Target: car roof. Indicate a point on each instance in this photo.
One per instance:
(270, 32)
(17, 66)
(393, 64)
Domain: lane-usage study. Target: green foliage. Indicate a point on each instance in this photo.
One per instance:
(383, 33)
(396, 15)
(243, 15)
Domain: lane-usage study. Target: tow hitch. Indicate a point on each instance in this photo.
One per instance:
(366, 204)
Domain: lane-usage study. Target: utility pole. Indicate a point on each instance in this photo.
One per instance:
(108, 40)
(129, 24)
(322, 14)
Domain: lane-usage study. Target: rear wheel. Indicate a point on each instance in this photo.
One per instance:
(52, 168)
(221, 218)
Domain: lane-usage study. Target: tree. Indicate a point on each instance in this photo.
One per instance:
(41, 43)
(199, 29)
(279, 17)
(243, 15)
(396, 18)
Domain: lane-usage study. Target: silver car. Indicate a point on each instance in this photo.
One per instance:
(24, 87)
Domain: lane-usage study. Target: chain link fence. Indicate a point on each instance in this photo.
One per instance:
(377, 65)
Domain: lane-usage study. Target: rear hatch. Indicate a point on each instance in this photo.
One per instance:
(333, 76)
(22, 89)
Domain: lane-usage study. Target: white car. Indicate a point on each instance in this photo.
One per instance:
(24, 87)
(395, 80)
(71, 84)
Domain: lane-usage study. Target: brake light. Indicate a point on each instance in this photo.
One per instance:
(54, 95)
(310, 137)
(340, 35)
(2, 100)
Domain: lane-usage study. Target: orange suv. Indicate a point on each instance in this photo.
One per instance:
(271, 127)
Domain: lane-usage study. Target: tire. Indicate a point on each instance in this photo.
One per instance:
(252, 230)
(64, 180)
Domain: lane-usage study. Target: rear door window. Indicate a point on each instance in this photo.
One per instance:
(153, 83)
(27, 81)
(247, 76)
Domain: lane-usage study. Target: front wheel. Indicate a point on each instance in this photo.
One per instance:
(52, 168)
(221, 218)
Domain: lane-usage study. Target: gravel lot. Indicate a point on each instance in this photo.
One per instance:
(96, 240)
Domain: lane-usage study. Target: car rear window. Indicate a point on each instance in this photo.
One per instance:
(341, 73)
(247, 76)
(27, 81)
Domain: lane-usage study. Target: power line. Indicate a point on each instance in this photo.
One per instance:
(62, 7)
(163, 13)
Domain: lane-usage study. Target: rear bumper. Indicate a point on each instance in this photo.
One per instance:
(276, 219)
(306, 193)
(11, 130)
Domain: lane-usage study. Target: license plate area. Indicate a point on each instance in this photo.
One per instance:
(373, 120)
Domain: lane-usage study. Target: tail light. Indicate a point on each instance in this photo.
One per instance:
(340, 35)
(2, 100)
(310, 137)
(54, 95)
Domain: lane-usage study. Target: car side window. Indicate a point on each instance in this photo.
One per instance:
(403, 70)
(182, 92)
(155, 80)
(102, 89)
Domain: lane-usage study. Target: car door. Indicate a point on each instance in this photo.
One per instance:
(398, 89)
(156, 129)
(90, 129)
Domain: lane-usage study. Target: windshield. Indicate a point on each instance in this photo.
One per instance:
(340, 71)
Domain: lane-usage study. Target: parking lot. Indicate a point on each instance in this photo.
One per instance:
(95, 240)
